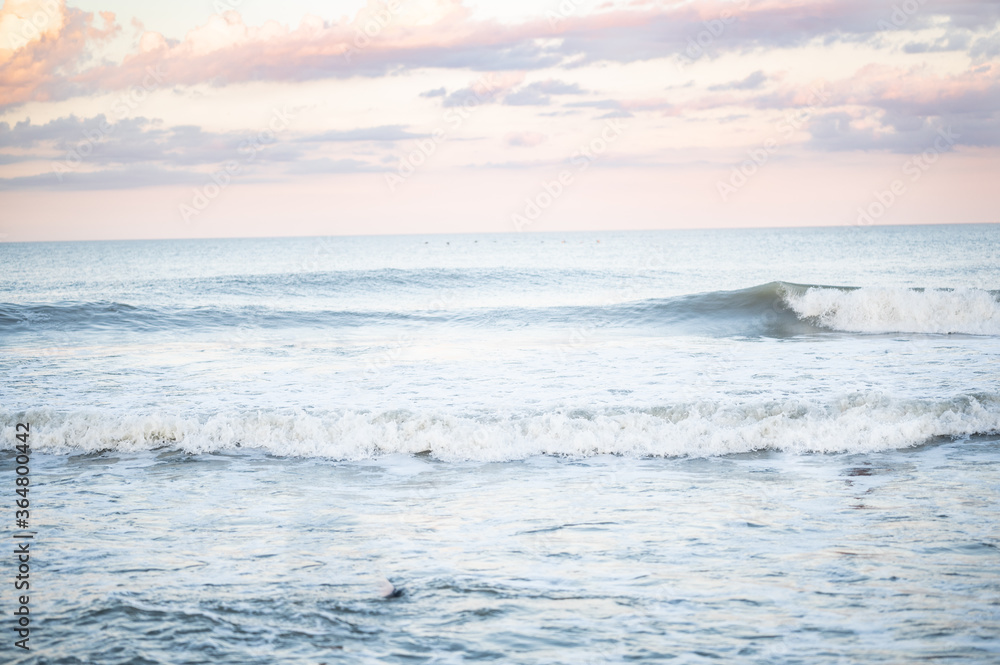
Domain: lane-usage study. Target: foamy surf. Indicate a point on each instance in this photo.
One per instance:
(896, 310)
(856, 423)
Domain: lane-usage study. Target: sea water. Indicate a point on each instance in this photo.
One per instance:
(762, 446)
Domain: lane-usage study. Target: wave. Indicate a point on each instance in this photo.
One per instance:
(890, 310)
(106, 315)
(777, 309)
(783, 309)
(857, 423)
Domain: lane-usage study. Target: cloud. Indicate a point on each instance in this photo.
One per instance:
(95, 153)
(42, 42)
(554, 87)
(382, 133)
(878, 107)
(326, 165)
(918, 91)
(898, 110)
(24, 134)
(875, 107)
(841, 131)
(525, 139)
(751, 82)
(623, 109)
(445, 35)
(437, 92)
(527, 97)
(597, 104)
(539, 93)
(122, 178)
(954, 42)
(987, 47)
(838, 131)
(620, 113)
(488, 89)
(71, 141)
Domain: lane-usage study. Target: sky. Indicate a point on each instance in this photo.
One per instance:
(217, 118)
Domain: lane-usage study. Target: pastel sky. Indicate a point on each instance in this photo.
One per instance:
(208, 118)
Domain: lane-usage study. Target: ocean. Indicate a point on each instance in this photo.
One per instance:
(754, 446)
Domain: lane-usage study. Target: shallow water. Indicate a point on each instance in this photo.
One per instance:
(764, 558)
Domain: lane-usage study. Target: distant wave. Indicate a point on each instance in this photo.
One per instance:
(855, 423)
(105, 315)
(775, 309)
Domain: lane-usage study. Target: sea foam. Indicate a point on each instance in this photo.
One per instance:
(855, 423)
(898, 310)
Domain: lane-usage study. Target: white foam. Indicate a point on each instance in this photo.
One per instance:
(891, 310)
(856, 423)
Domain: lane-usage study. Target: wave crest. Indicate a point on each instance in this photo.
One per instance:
(897, 310)
(856, 423)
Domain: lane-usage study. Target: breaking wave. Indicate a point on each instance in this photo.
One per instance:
(889, 310)
(855, 423)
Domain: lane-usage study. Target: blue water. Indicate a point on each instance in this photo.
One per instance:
(769, 446)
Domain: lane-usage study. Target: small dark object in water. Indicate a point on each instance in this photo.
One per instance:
(387, 590)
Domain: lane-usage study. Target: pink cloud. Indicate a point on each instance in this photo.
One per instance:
(383, 38)
(920, 89)
(38, 40)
